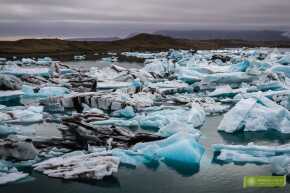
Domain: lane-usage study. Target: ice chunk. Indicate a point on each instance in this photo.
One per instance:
(170, 121)
(9, 174)
(160, 67)
(280, 165)
(240, 67)
(228, 78)
(31, 114)
(180, 147)
(17, 150)
(44, 92)
(282, 69)
(10, 95)
(79, 166)
(6, 130)
(127, 112)
(9, 82)
(256, 114)
(285, 60)
(21, 71)
(277, 156)
(223, 91)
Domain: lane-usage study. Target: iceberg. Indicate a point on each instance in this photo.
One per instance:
(24, 71)
(32, 114)
(6, 130)
(280, 165)
(79, 165)
(127, 112)
(9, 174)
(228, 78)
(181, 148)
(10, 95)
(19, 150)
(256, 114)
(9, 82)
(282, 69)
(277, 156)
(170, 121)
(160, 67)
(29, 91)
(285, 60)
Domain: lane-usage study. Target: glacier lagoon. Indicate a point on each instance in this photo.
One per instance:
(209, 176)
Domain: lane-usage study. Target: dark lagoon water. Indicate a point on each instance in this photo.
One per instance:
(209, 177)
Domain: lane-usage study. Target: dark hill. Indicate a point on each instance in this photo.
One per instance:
(143, 42)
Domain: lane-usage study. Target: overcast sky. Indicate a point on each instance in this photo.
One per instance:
(99, 18)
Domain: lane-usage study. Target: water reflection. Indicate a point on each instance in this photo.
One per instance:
(261, 137)
(184, 169)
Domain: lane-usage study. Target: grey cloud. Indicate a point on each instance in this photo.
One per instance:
(119, 17)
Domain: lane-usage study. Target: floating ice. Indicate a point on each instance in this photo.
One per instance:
(30, 114)
(9, 174)
(282, 69)
(17, 150)
(127, 112)
(44, 92)
(22, 71)
(256, 114)
(277, 156)
(285, 60)
(6, 130)
(78, 165)
(9, 82)
(180, 147)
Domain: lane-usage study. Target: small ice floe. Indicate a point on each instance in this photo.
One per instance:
(277, 156)
(25, 115)
(285, 60)
(256, 114)
(6, 130)
(9, 174)
(24, 71)
(19, 150)
(50, 91)
(80, 57)
(9, 82)
(79, 165)
(10, 95)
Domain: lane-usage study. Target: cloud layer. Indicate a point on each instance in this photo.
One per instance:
(120, 17)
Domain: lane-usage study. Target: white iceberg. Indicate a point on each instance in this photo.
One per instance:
(256, 114)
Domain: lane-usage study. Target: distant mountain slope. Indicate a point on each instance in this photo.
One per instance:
(96, 39)
(143, 42)
(227, 35)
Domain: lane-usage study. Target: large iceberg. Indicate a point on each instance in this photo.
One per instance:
(256, 114)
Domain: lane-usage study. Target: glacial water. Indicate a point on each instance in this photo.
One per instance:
(210, 177)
